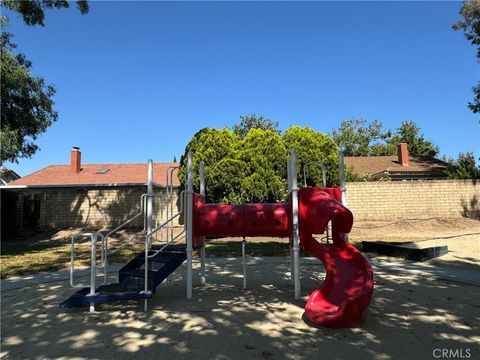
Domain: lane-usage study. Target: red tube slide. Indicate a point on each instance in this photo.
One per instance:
(348, 286)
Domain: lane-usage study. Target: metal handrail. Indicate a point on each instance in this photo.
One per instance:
(153, 231)
(121, 226)
(126, 243)
(178, 235)
(168, 221)
(93, 260)
(169, 197)
(322, 167)
(149, 236)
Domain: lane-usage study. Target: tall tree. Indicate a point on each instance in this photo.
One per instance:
(26, 100)
(464, 167)
(409, 132)
(470, 25)
(358, 136)
(265, 156)
(210, 146)
(313, 146)
(253, 121)
(26, 106)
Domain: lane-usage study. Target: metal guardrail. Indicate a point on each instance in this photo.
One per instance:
(93, 262)
(324, 183)
(121, 226)
(146, 210)
(149, 236)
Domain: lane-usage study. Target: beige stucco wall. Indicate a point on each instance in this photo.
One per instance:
(414, 199)
(95, 208)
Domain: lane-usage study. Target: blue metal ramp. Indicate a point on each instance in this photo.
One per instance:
(131, 278)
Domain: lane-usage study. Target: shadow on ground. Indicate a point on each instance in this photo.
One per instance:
(408, 318)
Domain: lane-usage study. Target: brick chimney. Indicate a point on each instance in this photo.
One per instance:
(402, 151)
(75, 160)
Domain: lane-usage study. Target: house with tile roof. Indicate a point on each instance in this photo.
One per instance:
(95, 196)
(400, 167)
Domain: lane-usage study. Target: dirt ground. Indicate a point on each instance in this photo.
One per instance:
(462, 236)
(411, 315)
(409, 318)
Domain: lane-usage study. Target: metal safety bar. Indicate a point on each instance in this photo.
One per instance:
(343, 187)
(148, 240)
(93, 262)
(295, 250)
(201, 171)
(324, 183)
(169, 199)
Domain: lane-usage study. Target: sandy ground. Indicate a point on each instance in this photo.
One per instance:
(462, 236)
(409, 318)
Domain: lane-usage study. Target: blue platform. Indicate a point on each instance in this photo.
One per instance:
(131, 279)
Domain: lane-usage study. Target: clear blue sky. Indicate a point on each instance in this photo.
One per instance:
(137, 80)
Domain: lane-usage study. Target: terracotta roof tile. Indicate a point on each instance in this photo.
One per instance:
(117, 174)
(364, 165)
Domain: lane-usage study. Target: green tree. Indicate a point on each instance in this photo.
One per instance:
(470, 25)
(358, 136)
(265, 156)
(464, 167)
(33, 12)
(313, 146)
(27, 105)
(254, 122)
(210, 146)
(225, 181)
(409, 133)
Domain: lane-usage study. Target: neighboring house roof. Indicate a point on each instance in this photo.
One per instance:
(377, 166)
(94, 175)
(7, 176)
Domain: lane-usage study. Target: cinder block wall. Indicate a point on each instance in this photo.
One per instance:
(414, 199)
(99, 208)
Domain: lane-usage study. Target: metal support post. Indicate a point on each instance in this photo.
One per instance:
(202, 249)
(244, 255)
(93, 270)
(324, 182)
(343, 187)
(188, 219)
(296, 237)
(289, 189)
(150, 202)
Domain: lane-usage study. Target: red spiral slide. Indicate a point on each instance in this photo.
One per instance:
(348, 286)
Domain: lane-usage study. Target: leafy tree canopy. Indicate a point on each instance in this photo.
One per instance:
(26, 107)
(313, 146)
(253, 168)
(470, 25)
(358, 137)
(27, 101)
(409, 133)
(210, 146)
(464, 167)
(265, 156)
(254, 122)
(33, 11)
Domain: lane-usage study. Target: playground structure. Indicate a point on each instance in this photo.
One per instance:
(339, 302)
